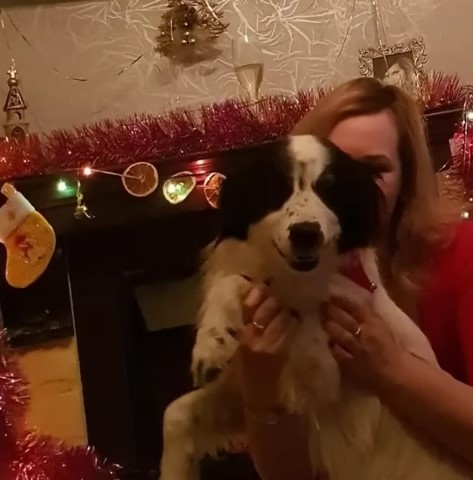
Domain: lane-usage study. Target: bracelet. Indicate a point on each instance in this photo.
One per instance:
(266, 416)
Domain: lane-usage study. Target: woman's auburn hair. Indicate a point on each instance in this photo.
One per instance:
(429, 205)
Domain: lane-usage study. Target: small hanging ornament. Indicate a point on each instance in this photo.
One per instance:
(177, 188)
(15, 126)
(140, 179)
(81, 211)
(212, 185)
(188, 31)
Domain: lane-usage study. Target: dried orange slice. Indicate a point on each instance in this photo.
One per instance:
(212, 185)
(140, 179)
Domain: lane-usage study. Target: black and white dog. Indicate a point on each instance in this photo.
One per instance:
(289, 209)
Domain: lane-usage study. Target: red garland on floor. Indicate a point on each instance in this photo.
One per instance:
(26, 455)
(182, 133)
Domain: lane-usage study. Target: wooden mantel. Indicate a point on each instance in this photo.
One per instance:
(113, 206)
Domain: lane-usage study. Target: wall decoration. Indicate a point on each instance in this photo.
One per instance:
(16, 126)
(188, 31)
(401, 64)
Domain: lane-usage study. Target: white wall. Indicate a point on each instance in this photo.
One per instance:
(301, 38)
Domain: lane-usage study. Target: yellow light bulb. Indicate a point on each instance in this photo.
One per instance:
(171, 188)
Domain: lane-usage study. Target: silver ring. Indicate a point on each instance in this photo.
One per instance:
(260, 327)
(358, 332)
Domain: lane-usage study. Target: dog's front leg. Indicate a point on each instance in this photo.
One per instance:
(219, 325)
(203, 421)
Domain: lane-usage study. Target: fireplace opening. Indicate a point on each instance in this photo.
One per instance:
(43, 310)
(135, 293)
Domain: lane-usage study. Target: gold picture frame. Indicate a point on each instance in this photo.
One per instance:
(401, 64)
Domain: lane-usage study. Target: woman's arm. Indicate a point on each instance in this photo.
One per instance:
(277, 441)
(434, 401)
(279, 449)
(421, 393)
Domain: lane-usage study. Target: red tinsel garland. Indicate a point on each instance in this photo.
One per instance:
(443, 91)
(179, 134)
(461, 146)
(463, 156)
(26, 455)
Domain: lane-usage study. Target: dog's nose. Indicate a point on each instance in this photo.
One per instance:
(305, 235)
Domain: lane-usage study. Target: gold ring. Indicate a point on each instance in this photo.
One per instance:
(358, 331)
(260, 327)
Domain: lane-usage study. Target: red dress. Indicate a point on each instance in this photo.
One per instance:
(446, 307)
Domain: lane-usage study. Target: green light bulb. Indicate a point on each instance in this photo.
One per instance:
(61, 186)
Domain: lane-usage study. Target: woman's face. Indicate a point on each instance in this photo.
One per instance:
(373, 138)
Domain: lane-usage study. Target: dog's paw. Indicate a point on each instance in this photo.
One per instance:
(219, 326)
(212, 352)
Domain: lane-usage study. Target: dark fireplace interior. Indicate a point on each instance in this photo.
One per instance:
(102, 283)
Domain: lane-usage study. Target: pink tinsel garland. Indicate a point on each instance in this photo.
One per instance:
(462, 160)
(462, 145)
(26, 455)
(181, 133)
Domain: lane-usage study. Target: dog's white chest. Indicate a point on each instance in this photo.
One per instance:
(311, 377)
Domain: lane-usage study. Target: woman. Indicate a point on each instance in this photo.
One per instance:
(426, 260)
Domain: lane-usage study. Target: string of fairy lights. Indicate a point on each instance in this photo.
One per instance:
(140, 180)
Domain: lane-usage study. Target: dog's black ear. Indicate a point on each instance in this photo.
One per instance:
(258, 182)
(349, 188)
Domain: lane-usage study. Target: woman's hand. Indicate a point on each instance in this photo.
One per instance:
(264, 340)
(360, 340)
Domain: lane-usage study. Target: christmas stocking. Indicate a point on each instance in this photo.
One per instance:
(29, 239)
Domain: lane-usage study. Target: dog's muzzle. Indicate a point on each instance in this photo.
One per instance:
(306, 239)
